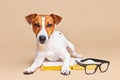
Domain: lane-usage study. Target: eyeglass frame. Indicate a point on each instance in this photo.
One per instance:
(97, 65)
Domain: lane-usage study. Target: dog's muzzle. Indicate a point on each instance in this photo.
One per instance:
(42, 39)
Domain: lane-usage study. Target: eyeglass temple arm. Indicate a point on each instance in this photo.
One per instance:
(96, 60)
(79, 63)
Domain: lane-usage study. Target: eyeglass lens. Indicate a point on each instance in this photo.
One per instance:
(90, 69)
(103, 67)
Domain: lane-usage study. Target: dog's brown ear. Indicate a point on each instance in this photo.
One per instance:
(56, 18)
(30, 17)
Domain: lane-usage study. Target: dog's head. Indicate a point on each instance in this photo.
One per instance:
(43, 25)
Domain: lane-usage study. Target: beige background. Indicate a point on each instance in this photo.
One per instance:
(92, 25)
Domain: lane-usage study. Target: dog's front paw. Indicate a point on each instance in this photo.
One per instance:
(65, 71)
(29, 71)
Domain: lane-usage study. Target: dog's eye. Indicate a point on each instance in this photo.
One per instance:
(36, 25)
(49, 25)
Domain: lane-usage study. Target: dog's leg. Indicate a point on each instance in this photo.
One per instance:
(71, 50)
(66, 63)
(36, 64)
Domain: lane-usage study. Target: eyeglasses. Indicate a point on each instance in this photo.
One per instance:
(91, 65)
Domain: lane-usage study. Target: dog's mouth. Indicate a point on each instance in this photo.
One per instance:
(42, 42)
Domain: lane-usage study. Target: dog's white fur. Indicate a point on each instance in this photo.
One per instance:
(54, 49)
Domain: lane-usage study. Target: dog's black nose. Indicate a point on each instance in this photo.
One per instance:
(42, 39)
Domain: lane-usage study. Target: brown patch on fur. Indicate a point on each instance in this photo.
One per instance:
(37, 20)
(49, 20)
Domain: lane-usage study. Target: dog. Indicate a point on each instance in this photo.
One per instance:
(51, 45)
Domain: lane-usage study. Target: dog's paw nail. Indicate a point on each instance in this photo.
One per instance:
(27, 73)
(65, 72)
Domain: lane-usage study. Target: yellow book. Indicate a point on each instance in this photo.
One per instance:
(47, 65)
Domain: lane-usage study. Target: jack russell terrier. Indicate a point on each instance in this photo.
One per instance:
(51, 45)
